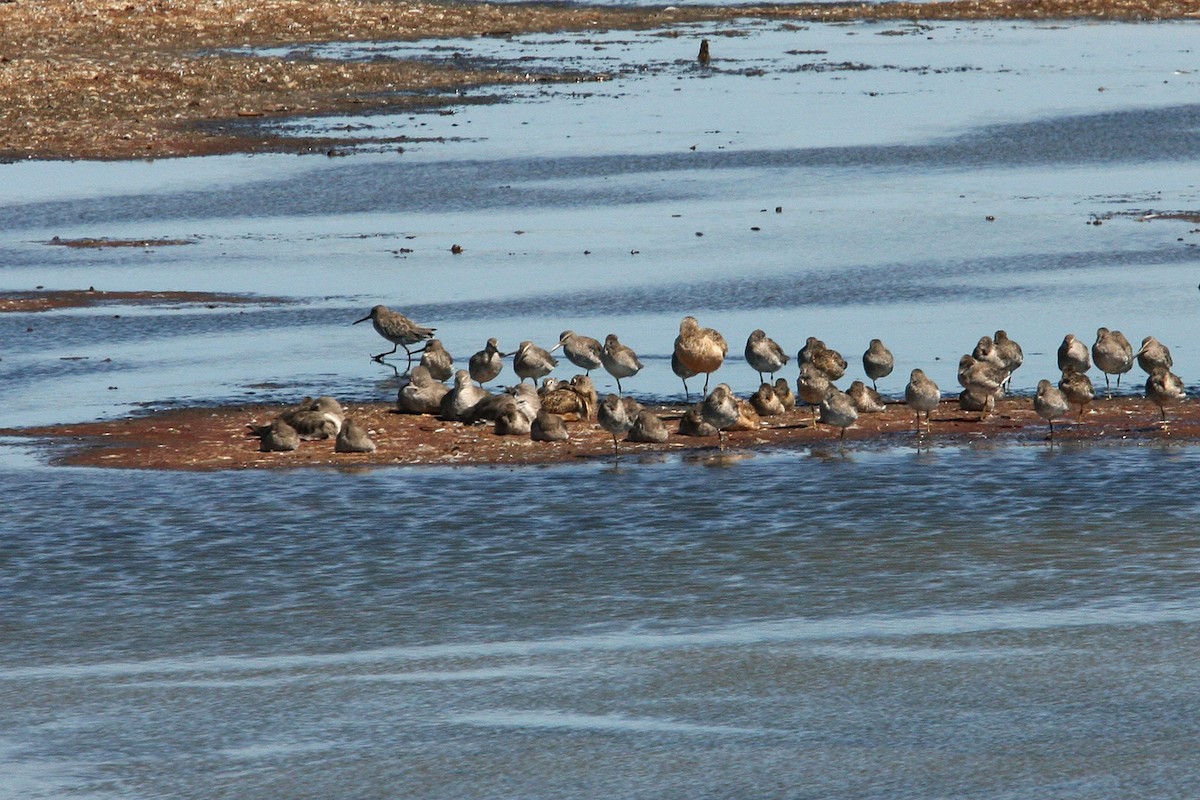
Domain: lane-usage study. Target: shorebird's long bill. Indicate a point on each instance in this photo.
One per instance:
(552, 349)
(364, 319)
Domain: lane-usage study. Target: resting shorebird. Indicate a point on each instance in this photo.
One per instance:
(531, 361)
(422, 394)
(1077, 388)
(720, 409)
(867, 401)
(783, 391)
(1050, 403)
(823, 357)
(548, 427)
(921, 394)
(1074, 354)
(765, 403)
(353, 438)
(763, 354)
(700, 349)
(812, 386)
(582, 351)
(276, 437)
(485, 365)
(619, 361)
(878, 362)
(613, 416)
(397, 329)
(1154, 353)
(837, 409)
(683, 373)
(1113, 355)
(462, 399)
(1164, 388)
(437, 360)
(648, 427)
(1011, 354)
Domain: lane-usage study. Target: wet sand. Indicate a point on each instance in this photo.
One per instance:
(49, 300)
(125, 80)
(206, 439)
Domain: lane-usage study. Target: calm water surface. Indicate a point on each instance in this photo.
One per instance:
(883, 622)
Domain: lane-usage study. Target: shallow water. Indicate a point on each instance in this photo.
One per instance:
(876, 622)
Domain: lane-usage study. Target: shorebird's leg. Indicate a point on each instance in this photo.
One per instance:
(720, 439)
(388, 353)
(687, 396)
(707, 375)
(616, 452)
(619, 387)
(873, 386)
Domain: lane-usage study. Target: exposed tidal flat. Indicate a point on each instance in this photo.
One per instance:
(970, 618)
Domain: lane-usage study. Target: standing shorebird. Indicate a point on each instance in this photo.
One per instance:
(613, 416)
(1152, 354)
(619, 361)
(683, 373)
(1050, 403)
(700, 349)
(1074, 354)
(1011, 354)
(397, 329)
(582, 351)
(878, 362)
(985, 350)
(720, 409)
(1113, 355)
(531, 361)
(837, 409)
(921, 394)
(485, 365)
(763, 354)
(812, 386)
(437, 360)
(1164, 388)
(1077, 388)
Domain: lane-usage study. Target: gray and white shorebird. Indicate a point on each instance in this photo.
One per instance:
(648, 427)
(1112, 354)
(878, 362)
(278, 436)
(982, 380)
(1164, 388)
(486, 364)
(764, 354)
(619, 360)
(837, 409)
(700, 350)
(582, 351)
(1077, 388)
(865, 399)
(397, 329)
(720, 409)
(353, 438)
(765, 402)
(1050, 403)
(422, 394)
(531, 361)
(1153, 354)
(1010, 353)
(812, 385)
(985, 351)
(613, 416)
(462, 398)
(1074, 353)
(437, 359)
(683, 373)
(921, 394)
(548, 427)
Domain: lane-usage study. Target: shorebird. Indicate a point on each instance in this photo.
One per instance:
(1050, 403)
(683, 373)
(548, 427)
(561, 399)
(485, 365)
(647, 427)
(982, 379)
(969, 400)
(397, 329)
(878, 362)
(531, 361)
(703, 56)
(582, 351)
(353, 438)
(276, 437)
(837, 409)
(692, 423)
(1164, 388)
(765, 403)
(422, 394)
(462, 398)
(1074, 354)
(921, 394)
(985, 350)
(1077, 388)
(867, 401)
(311, 422)
(763, 354)
(700, 349)
(811, 386)
(1011, 354)
(1154, 353)
(720, 409)
(613, 417)
(437, 360)
(511, 422)
(1113, 355)
(823, 357)
(783, 391)
(588, 396)
(619, 361)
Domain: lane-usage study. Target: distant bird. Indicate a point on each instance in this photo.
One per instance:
(692, 423)
(811, 386)
(422, 394)
(878, 362)
(278, 436)
(700, 349)
(720, 409)
(1164, 388)
(397, 329)
(837, 409)
(531, 361)
(1074, 354)
(1113, 355)
(619, 361)
(613, 417)
(921, 394)
(548, 427)
(1152, 354)
(437, 360)
(867, 401)
(763, 354)
(647, 427)
(1050, 403)
(459, 402)
(1010, 353)
(783, 391)
(486, 365)
(765, 402)
(703, 56)
(582, 351)
(353, 438)
(1077, 388)
(683, 373)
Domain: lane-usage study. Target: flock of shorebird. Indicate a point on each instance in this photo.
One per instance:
(540, 412)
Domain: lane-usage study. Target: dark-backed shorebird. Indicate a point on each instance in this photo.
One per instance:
(397, 329)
